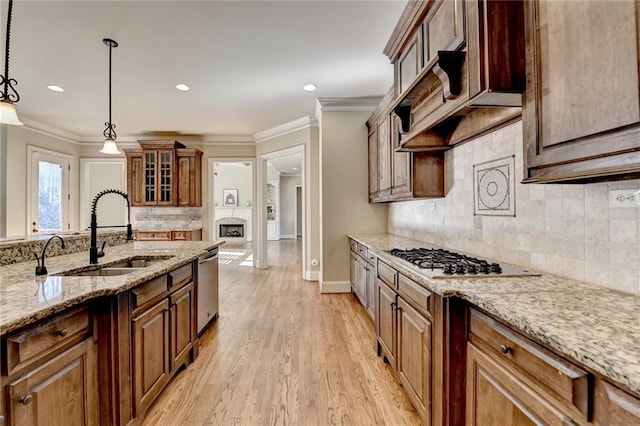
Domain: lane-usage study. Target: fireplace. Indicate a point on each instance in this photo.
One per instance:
(231, 230)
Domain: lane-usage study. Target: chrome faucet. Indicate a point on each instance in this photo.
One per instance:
(94, 254)
(41, 269)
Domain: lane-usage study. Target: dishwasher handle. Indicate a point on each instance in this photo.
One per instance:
(208, 259)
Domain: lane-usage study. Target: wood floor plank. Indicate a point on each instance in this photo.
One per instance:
(281, 353)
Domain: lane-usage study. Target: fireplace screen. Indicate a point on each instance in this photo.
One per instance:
(235, 231)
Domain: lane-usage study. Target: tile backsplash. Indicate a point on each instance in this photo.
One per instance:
(567, 230)
(165, 218)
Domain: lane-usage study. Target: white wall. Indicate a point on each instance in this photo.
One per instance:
(345, 193)
(567, 230)
(234, 176)
(17, 164)
(288, 185)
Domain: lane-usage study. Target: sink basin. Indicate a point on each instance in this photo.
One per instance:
(101, 272)
(120, 267)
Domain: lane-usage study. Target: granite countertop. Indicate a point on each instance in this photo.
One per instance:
(26, 298)
(593, 325)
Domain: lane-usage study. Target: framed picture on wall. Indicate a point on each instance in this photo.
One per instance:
(230, 197)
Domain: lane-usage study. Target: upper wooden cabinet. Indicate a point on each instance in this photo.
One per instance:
(396, 175)
(459, 70)
(581, 116)
(164, 173)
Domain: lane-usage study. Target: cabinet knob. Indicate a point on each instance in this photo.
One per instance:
(1, 420)
(506, 349)
(26, 400)
(62, 332)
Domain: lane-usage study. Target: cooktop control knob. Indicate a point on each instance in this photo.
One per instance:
(472, 269)
(496, 268)
(460, 269)
(447, 269)
(484, 268)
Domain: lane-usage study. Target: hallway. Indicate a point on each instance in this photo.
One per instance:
(281, 353)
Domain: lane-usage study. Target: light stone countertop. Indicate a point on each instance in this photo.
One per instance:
(595, 326)
(26, 298)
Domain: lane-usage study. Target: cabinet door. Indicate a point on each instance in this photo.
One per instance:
(414, 357)
(386, 312)
(495, 396)
(135, 181)
(384, 157)
(373, 164)
(182, 331)
(614, 407)
(63, 391)
(150, 355)
(370, 284)
(166, 184)
(401, 166)
(189, 178)
(581, 117)
(150, 182)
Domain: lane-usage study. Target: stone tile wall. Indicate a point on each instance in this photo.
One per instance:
(161, 218)
(567, 230)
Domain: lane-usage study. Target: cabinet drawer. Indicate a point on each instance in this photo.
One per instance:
(148, 291)
(153, 235)
(415, 294)
(558, 377)
(179, 235)
(180, 276)
(387, 274)
(371, 258)
(354, 246)
(41, 340)
(363, 251)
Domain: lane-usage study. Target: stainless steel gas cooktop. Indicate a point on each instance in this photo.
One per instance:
(440, 263)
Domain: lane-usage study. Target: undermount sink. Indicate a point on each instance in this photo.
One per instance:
(120, 267)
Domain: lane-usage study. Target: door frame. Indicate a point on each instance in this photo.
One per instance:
(295, 201)
(31, 174)
(261, 258)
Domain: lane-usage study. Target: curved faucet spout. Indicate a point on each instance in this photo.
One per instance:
(94, 254)
(41, 269)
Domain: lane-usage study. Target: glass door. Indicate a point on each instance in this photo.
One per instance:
(49, 193)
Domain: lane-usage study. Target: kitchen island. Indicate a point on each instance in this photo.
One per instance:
(97, 344)
(585, 337)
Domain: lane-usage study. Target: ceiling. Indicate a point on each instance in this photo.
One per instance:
(246, 62)
(289, 163)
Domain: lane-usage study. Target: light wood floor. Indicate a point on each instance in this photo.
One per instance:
(281, 353)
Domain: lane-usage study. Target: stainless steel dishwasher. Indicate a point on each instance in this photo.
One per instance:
(207, 288)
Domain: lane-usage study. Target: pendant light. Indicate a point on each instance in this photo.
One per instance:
(8, 93)
(109, 133)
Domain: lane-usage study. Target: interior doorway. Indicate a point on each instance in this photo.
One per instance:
(232, 201)
(299, 211)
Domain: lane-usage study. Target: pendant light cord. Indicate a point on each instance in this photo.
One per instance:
(7, 82)
(110, 49)
(110, 132)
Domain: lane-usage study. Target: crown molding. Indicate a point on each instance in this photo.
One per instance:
(364, 104)
(292, 126)
(228, 140)
(50, 131)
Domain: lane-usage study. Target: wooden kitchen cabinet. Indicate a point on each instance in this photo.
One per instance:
(151, 355)
(509, 375)
(182, 321)
(49, 372)
(164, 173)
(362, 276)
(459, 70)
(581, 116)
(615, 407)
(386, 325)
(395, 175)
(169, 235)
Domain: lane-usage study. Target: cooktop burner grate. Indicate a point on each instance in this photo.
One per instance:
(443, 263)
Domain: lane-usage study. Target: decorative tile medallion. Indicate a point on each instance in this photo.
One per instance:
(494, 188)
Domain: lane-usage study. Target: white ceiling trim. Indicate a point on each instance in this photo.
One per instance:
(365, 103)
(50, 131)
(290, 127)
(228, 140)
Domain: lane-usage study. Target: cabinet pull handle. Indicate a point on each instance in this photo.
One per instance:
(1, 420)
(26, 400)
(62, 332)
(505, 349)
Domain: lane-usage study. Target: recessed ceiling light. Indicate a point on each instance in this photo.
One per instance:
(55, 88)
(309, 87)
(182, 87)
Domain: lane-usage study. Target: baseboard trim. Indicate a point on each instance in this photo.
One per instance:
(335, 287)
(312, 275)
(288, 237)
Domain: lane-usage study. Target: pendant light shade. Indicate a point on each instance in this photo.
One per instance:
(109, 133)
(110, 147)
(8, 114)
(8, 93)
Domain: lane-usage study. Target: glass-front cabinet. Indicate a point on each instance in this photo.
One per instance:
(153, 178)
